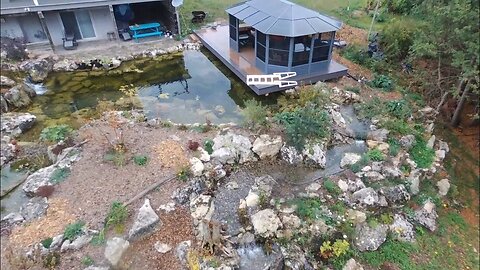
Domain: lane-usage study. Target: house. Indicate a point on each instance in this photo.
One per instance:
(38, 22)
(269, 36)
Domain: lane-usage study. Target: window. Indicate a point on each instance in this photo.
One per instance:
(301, 50)
(77, 23)
(261, 45)
(321, 47)
(261, 38)
(279, 50)
(233, 28)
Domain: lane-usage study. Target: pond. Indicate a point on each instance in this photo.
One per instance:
(186, 88)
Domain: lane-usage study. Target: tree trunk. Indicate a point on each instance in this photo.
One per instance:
(456, 116)
(461, 88)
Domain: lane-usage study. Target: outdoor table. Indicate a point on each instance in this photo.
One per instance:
(145, 30)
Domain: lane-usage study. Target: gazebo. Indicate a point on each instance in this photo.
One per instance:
(287, 37)
(263, 37)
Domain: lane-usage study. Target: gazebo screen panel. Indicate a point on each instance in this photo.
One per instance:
(321, 47)
(279, 50)
(261, 45)
(301, 50)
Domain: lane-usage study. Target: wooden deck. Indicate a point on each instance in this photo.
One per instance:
(243, 62)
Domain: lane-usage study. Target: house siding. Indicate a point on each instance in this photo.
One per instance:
(11, 27)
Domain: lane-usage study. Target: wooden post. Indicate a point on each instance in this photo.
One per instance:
(373, 19)
(178, 22)
(45, 29)
(112, 14)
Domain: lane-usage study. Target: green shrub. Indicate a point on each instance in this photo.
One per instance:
(316, 95)
(118, 157)
(375, 155)
(360, 164)
(304, 123)
(308, 208)
(183, 174)
(382, 81)
(371, 108)
(421, 154)
(255, 114)
(208, 145)
(46, 243)
(140, 160)
(399, 108)
(394, 147)
(51, 260)
(59, 175)
(87, 261)
(116, 216)
(354, 89)
(397, 38)
(391, 251)
(56, 133)
(357, 55)
(397, 126)
(386, 218)
(331, 187)
(73, 230)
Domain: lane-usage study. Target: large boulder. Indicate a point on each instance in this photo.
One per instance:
(37, 69)
(266, 146)
(12, 49)
(366, 196)
(414, 181)
(3, 104)
(6, 82)
(231, 148)
(395, 195)
(291, 155)
(266, 223)
(349, 159)
(65, 65)
(145, 221)
(402, 229)
(315, 154)
(443, 187)
(352, 265)
(196, 167)
(34, 208)
(379, 135)
(14, 124)
(19, 96)
(369, 238)
(114, 249)
(407, 141)
(427, 216)
(7, 152)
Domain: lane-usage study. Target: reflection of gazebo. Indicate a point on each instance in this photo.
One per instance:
(268, 36)
(287, 37)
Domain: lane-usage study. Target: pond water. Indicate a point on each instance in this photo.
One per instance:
(12, 200)
(188, 87)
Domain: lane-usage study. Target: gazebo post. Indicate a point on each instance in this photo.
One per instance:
(310, 57)
(331, 46)
(267, 52)
(290, 53)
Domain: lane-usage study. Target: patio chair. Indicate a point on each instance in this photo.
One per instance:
(198, 16)
(69, 41)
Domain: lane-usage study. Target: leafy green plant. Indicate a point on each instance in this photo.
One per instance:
(391, 251)
(337, 249)
(394, 147)
(87, 261)
(386, 218)
(59, 175)
(140, 160)
(364, 160)
(73, 230)
(55, 133)
(316, 95)
(254, 113)
(116, 216)
(422, 154)
(354, 89)
(331, 187)
(375, 155)
(51, 260)
(208, 145)
(397, 126)
(357, 55)
(304, 123)
(382, 81)
(117, 155)
(308, 208)
(399, 108)
(183, 174)
(46, 243)
(370, 108)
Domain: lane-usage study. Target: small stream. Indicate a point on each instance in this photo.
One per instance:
(14, 199)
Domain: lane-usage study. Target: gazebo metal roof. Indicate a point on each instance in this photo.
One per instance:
(283, 18)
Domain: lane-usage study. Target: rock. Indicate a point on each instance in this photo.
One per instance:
(56, 242)
(414, 180)
(14, 124)
(443, 187)
(356, 217)
(7, 153)
(291, 155)
(315, 155)
(349, 159)
(232, 148)
(232, 185)
(6, 82)
(114, 249)
(395, 195)
(352, 265)
(355, 185)
(440, 155)
(366, 196)
(37, 69)
(407, 141)
(370, 238)
(13, 218)
(34, 208)
(204, 156)
(252, 199)
(443, 146)
(382, 146)
(3, 104)
(293, 258)
(169, 207)
(65, 65)
(76, 244)
(313, 187)
(267, 147)
(431, 142)
(379, 135)
(115, 63)
(402, 229)
(265, 223)
(427, 216)
(197, 166)
(192, 189)
(91, 267)
(391, 172)
(182, 251)
(162, 247)
(202, 207)
(343, 185)
(373, 176)
(291, 221)
(145, 221)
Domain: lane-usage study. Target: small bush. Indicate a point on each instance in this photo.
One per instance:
(208, 145)
(383, 82)
(59, 175)
(394, 147)
(386, 218)
(399, 108)
(354, 89)
(316, 95)
(87, 261)
(73, 230)
(303, 124)
(117, 156)
(397, 127)
(370, 109)
(46, 243)
(140, 160)
(183, 174)
(308, 208)
(421, 154)
(51, 260)
(397, 38)
(357, 55)
(339, 248)
(255, 114)
(375, 155)
(331, 187)
(116, 216)
(56, 133)
(360, 164)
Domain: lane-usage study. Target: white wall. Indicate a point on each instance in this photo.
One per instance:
(101, 20)
(11, 27)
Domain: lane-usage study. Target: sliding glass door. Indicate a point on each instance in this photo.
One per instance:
(78, 23)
